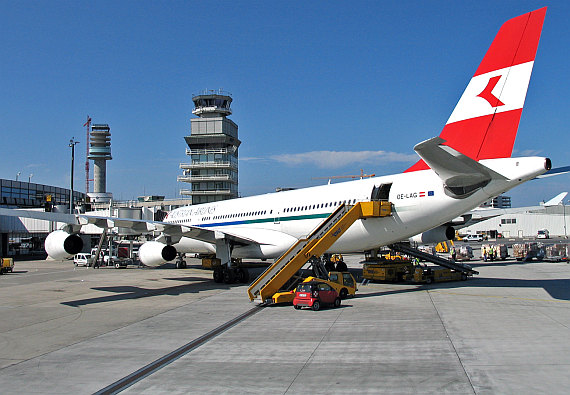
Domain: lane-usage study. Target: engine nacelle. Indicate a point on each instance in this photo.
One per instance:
(154, 253)
(61, 245)
(435, 235)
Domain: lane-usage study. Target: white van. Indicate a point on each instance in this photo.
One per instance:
(543, 234)
(82, 259)
(473, 237)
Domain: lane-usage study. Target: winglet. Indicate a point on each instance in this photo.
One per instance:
(485, 121)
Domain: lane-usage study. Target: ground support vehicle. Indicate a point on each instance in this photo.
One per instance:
(388, 271)
(420, 255)
(444, 246)
(237, 273)
(315, 245)
(83, 259)
(315, 294)
(463, 253)
(429, 274)
(556, 252)
(343, 282)
(472, 237)
(118, 263)
(494, 252)
(528, 251)
(543, 234)
(6, 265)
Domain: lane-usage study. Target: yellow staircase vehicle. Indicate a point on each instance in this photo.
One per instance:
(320, 240)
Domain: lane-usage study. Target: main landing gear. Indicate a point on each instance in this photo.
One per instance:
(230, 275)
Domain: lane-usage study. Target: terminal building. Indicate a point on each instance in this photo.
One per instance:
(25, 235)
(213, 150)
(526, 223)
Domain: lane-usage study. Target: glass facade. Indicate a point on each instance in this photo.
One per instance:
(25, 194)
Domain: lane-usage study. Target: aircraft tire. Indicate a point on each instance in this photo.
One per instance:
(243, 275)
(218, 275)
(229, 276)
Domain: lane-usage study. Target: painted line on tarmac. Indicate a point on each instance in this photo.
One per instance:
(499, 296)
(160, 363)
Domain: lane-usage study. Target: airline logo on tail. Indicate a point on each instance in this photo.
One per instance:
(485, 121)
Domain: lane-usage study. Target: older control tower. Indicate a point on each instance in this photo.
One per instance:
(100, 153)
(213, 149)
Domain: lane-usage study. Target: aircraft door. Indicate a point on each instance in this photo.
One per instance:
(381, 192)
(277, 218)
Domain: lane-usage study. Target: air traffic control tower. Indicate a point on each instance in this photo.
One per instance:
(100, 153)
(213, 148)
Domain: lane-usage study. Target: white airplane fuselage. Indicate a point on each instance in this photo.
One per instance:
(278, 220)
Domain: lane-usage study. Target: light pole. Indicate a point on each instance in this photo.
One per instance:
(72, 143)
(18, 175)
(564, 215)
(30, 178)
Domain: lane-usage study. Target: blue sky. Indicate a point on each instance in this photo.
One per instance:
(319, 87)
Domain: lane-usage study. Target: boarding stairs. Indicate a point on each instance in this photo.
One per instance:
(320, 240)
(448, 263)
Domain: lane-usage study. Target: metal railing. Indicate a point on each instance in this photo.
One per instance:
(191, 178)
(204, 165)
(203, 193)
(205, 151)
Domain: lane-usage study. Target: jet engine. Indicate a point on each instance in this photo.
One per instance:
(154, 253)
(435, 235)
(62, 245)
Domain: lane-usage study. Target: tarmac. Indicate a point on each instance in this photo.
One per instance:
(67, 330)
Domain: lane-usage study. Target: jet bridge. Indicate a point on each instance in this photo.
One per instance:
(320, 240)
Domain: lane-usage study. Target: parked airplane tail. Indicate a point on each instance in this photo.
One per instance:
(484, 123)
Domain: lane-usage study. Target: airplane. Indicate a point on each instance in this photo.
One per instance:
(467, 164)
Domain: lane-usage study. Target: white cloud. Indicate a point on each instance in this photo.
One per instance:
(527, 152)
(338, 159)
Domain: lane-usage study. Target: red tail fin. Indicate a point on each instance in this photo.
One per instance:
(484, 123)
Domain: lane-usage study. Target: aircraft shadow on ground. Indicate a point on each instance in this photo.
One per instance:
(129, 292)
(557, 288)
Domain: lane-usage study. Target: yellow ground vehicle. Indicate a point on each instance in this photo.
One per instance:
(343, 282)
(389, 271)
(436, 274)
(7, 265)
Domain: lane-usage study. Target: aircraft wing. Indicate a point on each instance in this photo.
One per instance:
(56, 217)
(76, 221)
(166, 228)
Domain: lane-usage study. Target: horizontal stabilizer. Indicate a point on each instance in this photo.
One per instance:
(555, 172)
(555, 201)
(460, 174)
